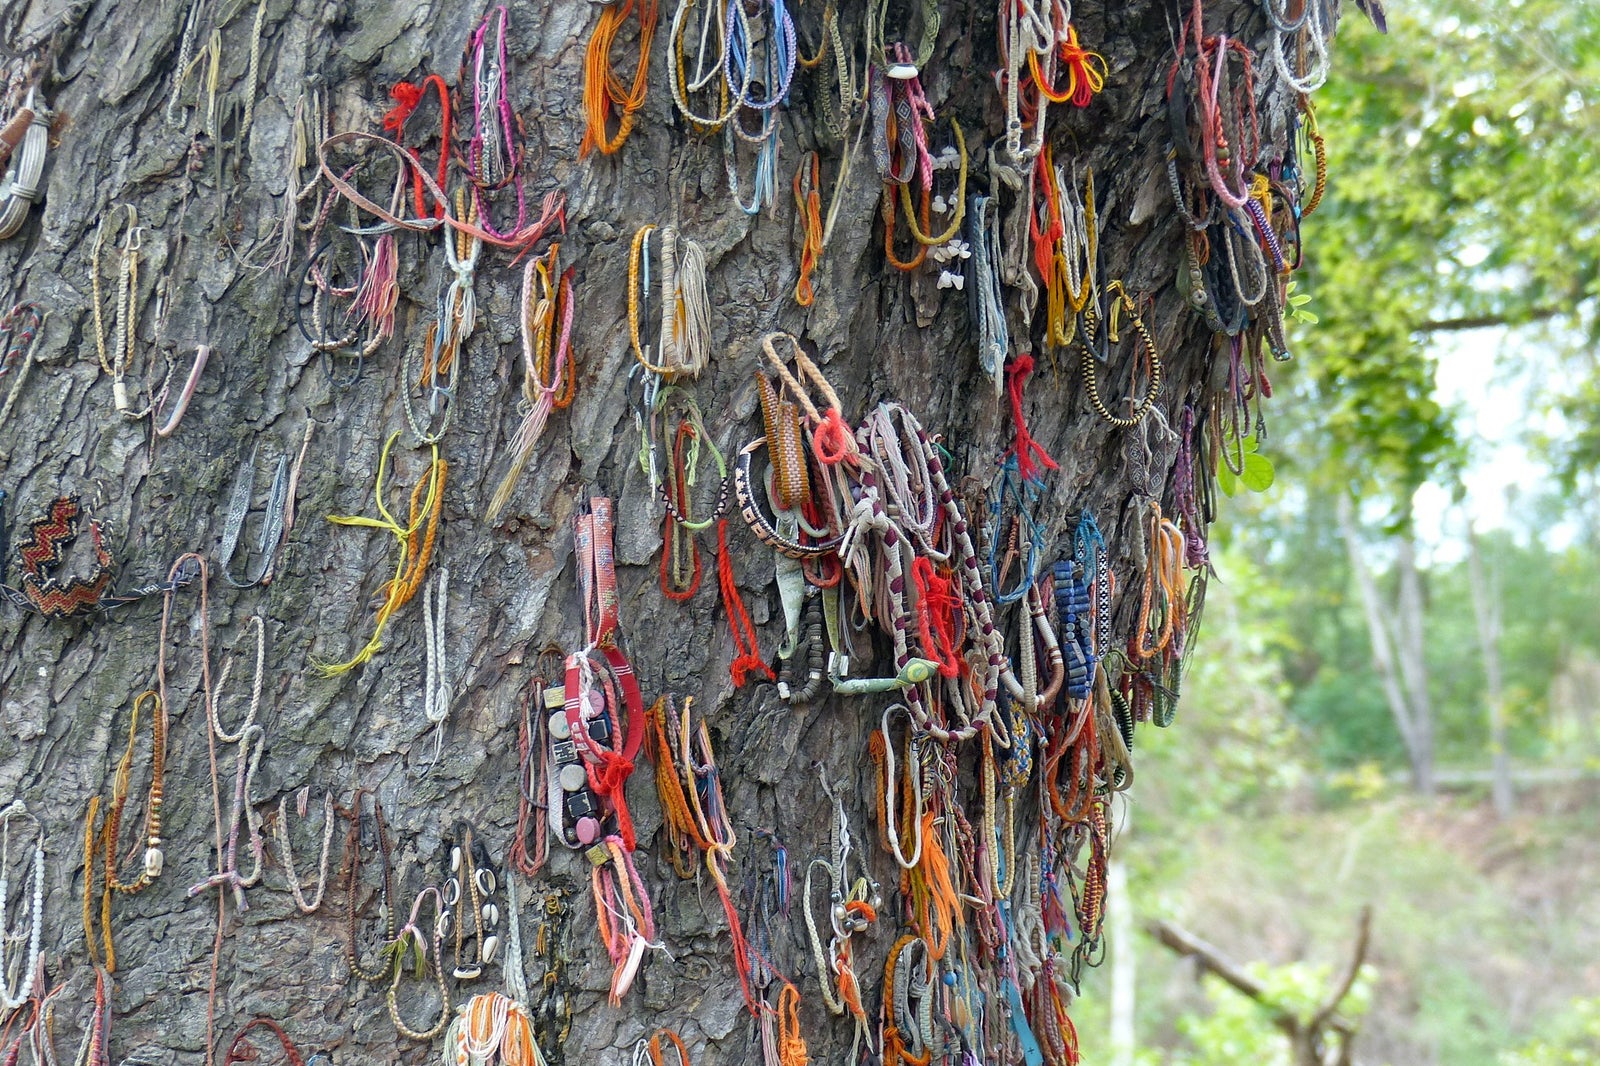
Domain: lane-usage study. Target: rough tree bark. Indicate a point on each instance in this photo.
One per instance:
(68, 685)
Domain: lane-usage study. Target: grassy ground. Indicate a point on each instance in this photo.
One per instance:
(1484, 933)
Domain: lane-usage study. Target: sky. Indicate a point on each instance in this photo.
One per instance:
(1498, 406)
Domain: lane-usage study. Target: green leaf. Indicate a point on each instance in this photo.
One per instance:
(1226, 482)
(1258, 473)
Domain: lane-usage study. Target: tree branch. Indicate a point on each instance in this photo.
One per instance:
(1470, 322)
(1188, 945)
(1212, 959)
(1342, 989)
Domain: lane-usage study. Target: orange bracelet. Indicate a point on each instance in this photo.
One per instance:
(604, 96)
(808, 207)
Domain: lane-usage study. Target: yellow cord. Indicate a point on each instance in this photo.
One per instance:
(413, 561)
(961, 200)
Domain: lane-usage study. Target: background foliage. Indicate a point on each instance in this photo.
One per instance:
(1464, 207)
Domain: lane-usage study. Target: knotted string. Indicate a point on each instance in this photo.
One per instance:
(1025, 448)
(748, 660)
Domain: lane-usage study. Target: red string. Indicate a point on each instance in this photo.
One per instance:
(937, 606)
(408, 97)
(741, 946)
(1025, 448)
(744, 633)
(1044, 240)
(610, 779)
(823, 572)
(832, 440)
(1078, 58)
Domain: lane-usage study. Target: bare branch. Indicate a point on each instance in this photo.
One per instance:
(1187, 944)
(1471, 322)
(1357, 956)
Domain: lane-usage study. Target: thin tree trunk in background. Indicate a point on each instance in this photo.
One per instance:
(1387, 650)
(1486, 608)
(1410, 621)
(1124, 952)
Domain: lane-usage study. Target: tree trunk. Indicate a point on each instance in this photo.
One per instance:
(1486, 608)
(209, 201)
(1394, 635)
(1124, 957)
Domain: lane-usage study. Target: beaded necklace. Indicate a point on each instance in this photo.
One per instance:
(471, 884)
(110, 833)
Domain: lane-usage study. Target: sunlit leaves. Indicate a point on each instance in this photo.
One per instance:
(1255, 470)
(1462, 187)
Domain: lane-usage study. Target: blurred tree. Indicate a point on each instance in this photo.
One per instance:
(1464, 195)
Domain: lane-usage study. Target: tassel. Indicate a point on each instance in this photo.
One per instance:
(379, 293)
